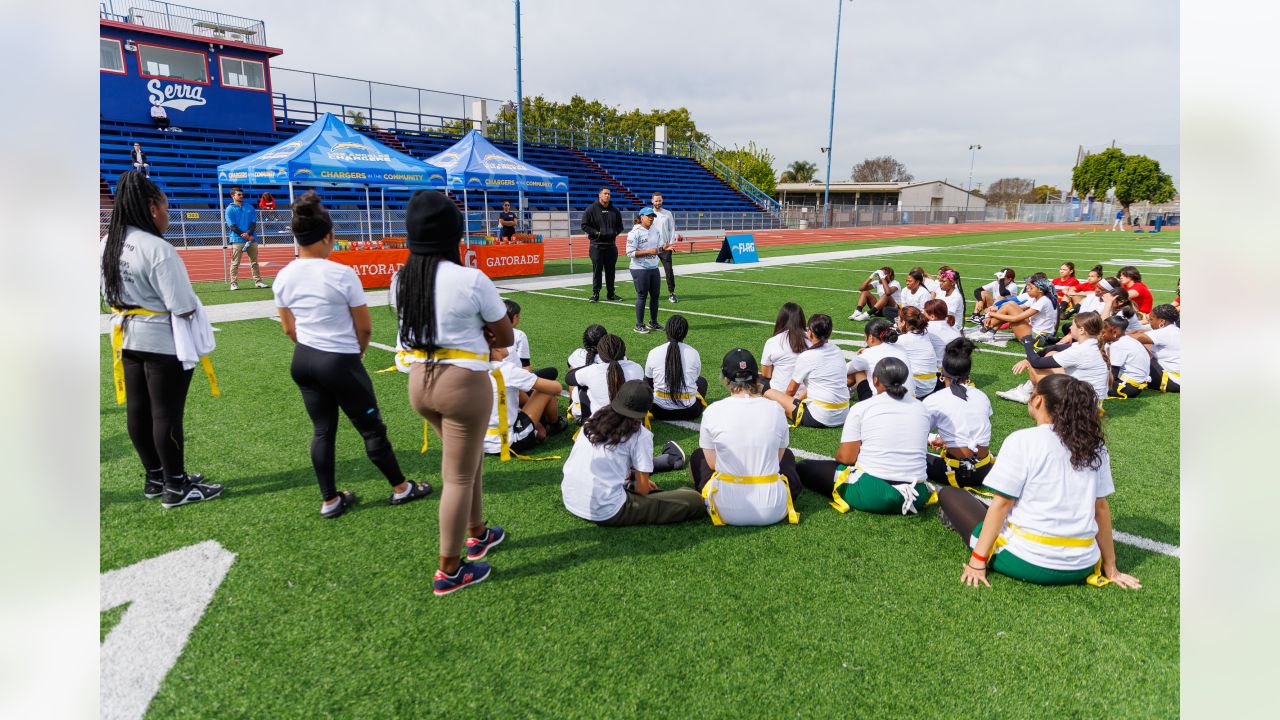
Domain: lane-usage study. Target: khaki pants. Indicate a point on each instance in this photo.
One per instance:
(238, 250)
(659, 508)
(456, 402)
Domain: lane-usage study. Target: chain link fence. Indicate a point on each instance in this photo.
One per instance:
(844, 216)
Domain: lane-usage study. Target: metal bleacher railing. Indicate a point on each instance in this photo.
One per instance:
(184, 19)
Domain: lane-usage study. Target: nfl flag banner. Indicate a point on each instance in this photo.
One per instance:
(743, 248)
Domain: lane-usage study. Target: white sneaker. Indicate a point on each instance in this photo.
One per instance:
(234, 286)
(860, 315)
(259, 284)
(1021, 394)
(992, 341)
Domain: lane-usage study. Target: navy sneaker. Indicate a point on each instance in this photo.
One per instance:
(467, 574)
(477, 548)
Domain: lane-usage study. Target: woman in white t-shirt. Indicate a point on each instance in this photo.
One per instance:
(913, 340)
(450, 315)
(940, 333)
(950, 293)
(888, 296)
(1130, 362)
(821, 370)
(580, 358)
(145, 284)
(961, 413)
(600, 381)
(531, 412)
(1004, 286)
(882, 342)
(1085, 358)
(915, 294)
(743, 467)
(323, 310)
(880, 466)
(1049, 522)
(790, 338)
(1037, 318)
(1165, 340)
(606, 478)
(674, 371)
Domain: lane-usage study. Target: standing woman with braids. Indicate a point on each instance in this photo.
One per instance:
(962, 415)
(1085, 359)
(1049, 522)
(145, 284)
(450, 315)
(580, 358)
(600, 381)
(323, 310)
(674, 372)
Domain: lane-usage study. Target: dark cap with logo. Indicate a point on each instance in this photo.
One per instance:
(432, 223)
(633, 399)
(739, 364)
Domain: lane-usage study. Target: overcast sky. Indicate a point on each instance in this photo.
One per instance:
(919, 79)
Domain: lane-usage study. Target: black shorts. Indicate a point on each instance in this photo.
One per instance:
(806, 420)
(506, 232)
(1123, 390)
(521, 424)
(936, 470)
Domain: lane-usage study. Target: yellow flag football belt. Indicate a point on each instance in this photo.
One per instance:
(117, 354)
(1164, 379)
(800, 408)
(926, 376)
(680, 396)
(1096, 578)
(709, 490)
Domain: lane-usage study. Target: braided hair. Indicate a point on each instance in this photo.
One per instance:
(677, 329)
(591, 338)
(416, 297)
(612, 350)
(136, 196)
(1073, 407)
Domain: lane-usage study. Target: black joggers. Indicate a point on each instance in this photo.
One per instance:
(155, 398)
(647, 282)
(330, 381)
(603, 258)
(665, 259)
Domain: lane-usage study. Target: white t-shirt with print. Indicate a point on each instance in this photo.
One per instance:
(1166, 342)
(595, 475)
(746, 434)
(153, 277)
(1132, 358)
(894, 436)
(921, 361)
(961, 423)
(465, 300)
(939, 334)
(778, 354)
(320, 293)
(1053, 498)
(869, 357)
(1082, 361)
(595, 378)
(822, 371)
(655, 366)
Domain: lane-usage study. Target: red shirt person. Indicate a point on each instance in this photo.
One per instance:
(1131, 281)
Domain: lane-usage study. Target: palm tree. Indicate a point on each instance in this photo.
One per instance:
(800, 171)
(357, 117)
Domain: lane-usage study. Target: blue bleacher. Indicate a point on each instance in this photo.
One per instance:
(185, 165)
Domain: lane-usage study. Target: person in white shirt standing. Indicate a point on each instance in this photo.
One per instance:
(1130, 361)
(145, 284)
(743, 467)
(961, 413)
(664, 228)
(790, 338)
(821, 369)
(1049, 522)
(323, 310)
(674, 371)
(1165, 339)
(880, 466)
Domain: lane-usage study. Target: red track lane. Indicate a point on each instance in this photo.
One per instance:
(205, 264)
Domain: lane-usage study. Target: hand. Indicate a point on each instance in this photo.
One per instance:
(1127, 582)
(244, 236)
(937, 443)
(1021, 367)
(972, 576)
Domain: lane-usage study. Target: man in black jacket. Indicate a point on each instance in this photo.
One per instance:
(602, 222)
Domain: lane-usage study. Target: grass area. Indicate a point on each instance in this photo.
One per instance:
(336, 619)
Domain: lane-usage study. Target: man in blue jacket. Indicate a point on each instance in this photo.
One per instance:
(242, 221)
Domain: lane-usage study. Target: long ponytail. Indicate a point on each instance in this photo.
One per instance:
(591, 338)
(612, 350)
(892, 373)
(677, 329)
(135, 196)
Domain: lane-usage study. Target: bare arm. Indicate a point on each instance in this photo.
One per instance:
(550, 387)
(364, 326)
(499, 333)
(848, 452)
(287, 323)
(1102, 515)
(975, 571)
(710, 456)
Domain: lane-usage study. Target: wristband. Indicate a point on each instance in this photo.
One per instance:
(971, 567)
(976, 556)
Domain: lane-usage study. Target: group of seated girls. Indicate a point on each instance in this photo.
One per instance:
(881, 295)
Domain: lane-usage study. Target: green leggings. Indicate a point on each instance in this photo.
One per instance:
(873, 495)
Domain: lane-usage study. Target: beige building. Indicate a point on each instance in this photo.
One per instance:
(931, 194)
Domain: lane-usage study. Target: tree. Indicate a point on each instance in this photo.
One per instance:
(1096, 174)
(881, 169)
(1045, 194)
(753, 163)
(593, 116)
(800, 171)
(357, 117)
(1132, 178)
(1008, 192)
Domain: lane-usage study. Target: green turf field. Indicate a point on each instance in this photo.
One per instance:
(842, 615)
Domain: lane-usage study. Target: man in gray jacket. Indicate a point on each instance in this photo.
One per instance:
(664, 228)
(602, 222)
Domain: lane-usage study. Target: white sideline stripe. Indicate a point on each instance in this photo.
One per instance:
(1122, 537)
(380, 346)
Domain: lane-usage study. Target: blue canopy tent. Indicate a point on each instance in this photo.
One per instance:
(474, 163)
(329, 152)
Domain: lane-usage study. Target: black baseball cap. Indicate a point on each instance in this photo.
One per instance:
(633, 399)
(739, 364)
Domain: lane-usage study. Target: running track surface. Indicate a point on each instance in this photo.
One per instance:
(206, 264)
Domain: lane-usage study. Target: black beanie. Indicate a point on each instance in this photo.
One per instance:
(433, 224)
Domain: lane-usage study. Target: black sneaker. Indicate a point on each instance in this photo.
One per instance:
(594, 298)
(154, 486)
(653, 326)
(642, 329)
(672, 298)
(678, 458)
(615, 298)
(190, 492)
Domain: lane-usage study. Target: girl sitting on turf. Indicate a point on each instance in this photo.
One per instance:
(674, 372)
(1084, 359)
(825, 400)
(606, 478)
(1118, 302)
(882, 342)
(940, 333)
(915, 294)
(600, 381)
(529, 422)
(1049, 522)
(790, 338)
(880, 466)
(914, 341)
(888, 295)
(1066, 280)
(1004, 286)
(1165, 341)
(580, 358)
(1037, 318)
(519, 352)
(950, 293)
(1130, 362)
(1131, 281)
(742, 466)
(962, 415)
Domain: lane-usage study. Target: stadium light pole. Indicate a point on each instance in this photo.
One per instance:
(831, 122)
(968, 193)
(520, 107)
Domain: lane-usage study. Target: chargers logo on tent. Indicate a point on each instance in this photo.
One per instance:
(436, 176)
(562, 185)
(283, 151)
(494, 161)
(446, 160)
(300, 172)
(282, 174)
(355, 145)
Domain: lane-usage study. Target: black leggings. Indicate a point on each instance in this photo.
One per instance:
(692, 412)
(936, 472)
(665, 259)
(155, 397)
(1157, 374)
(648, 283)
(701, 471)
(329, 381)
(818, 475)
(963, 510)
